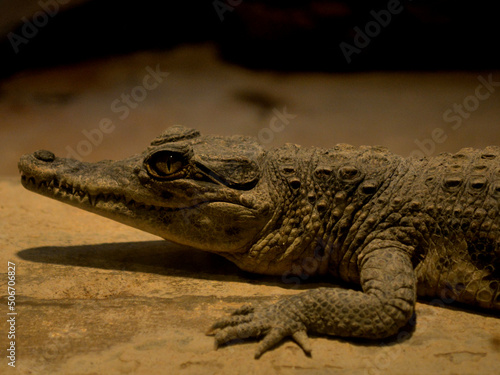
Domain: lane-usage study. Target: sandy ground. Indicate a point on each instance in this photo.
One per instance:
(95, 297)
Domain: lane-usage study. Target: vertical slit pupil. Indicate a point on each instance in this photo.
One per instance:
(169, 162)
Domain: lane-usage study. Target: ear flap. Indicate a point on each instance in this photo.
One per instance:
(174, 134)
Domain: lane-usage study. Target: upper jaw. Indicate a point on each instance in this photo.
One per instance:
(97, 186)
(72, 181)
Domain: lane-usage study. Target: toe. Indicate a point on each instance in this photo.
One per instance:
(241, 331)
(300, 337)
(274, 336)
(244, 310)
(229, 322)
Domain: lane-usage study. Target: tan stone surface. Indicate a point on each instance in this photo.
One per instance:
(96, 297)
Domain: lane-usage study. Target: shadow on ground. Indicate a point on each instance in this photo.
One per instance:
(161, 258)
(157, 257)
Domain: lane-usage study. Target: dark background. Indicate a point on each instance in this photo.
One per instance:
(234, 64)
(274, 34)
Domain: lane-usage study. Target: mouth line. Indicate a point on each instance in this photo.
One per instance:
(62, 190)
(73, 194)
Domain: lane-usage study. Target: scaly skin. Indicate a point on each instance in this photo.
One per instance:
(397, 227)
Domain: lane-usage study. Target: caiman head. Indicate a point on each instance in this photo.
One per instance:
(201, 191)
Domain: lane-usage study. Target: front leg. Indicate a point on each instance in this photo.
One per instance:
(385, 305)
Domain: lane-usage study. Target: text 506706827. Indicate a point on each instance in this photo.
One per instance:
(11, 314)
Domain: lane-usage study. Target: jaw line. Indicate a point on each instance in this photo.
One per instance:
(114, 206)
(82, 198)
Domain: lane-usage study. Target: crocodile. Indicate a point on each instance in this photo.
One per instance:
(392, 227)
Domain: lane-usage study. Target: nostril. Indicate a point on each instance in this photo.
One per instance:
(44, 155)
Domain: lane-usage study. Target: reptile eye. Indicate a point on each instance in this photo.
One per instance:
(165, 164)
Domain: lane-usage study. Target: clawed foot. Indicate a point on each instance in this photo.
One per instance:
(274, 322)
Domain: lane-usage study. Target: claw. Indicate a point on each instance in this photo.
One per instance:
(210, 332)
(301, 338)
(270, 340)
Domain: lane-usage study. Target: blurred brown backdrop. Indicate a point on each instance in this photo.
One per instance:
(402, 74)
